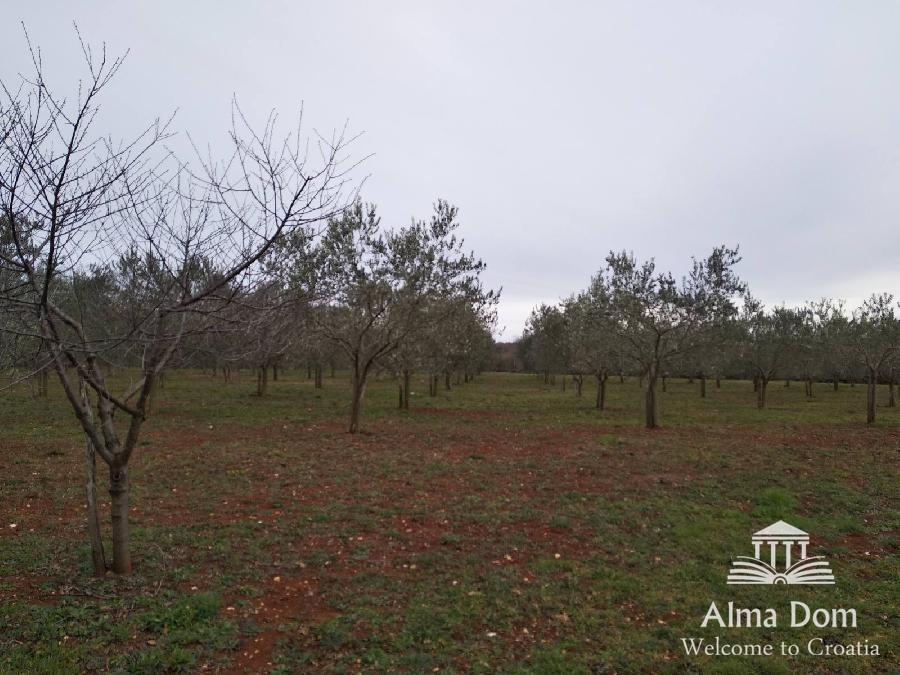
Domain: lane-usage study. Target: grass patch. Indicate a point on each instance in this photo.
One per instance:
(502, 526)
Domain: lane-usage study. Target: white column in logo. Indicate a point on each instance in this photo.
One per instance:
(781, 533)
(756, 571)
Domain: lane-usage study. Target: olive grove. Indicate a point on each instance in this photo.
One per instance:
(118, 255)
(636, 319)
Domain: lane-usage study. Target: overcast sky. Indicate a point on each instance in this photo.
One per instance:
(561, 130)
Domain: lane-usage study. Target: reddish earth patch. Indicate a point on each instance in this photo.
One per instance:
(863, 546)
(525, 465)
(300, 599)
(284, 601)
(28, 589)
(37, 514)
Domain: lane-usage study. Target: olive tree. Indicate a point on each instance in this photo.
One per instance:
(545, 333)
(658, 318)
(831, 338)
(874, 340)
(374, 291)
(767, 342)
(591, 331)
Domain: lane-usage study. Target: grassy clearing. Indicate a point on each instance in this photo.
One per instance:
(501, 526)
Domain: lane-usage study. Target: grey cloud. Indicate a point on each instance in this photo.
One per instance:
(561, 130)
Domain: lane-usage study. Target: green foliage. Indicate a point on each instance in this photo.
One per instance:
(183, 614)
(774, 503)
(151, 661)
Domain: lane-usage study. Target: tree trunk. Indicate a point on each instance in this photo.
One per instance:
(702, 385)
(359, 391)
(762, 383)
(601, 392)
(651, 420)
(466, 377)
(151, 400)
(318, 376)
(98, 556)
(447, 380)
(871, 385)
(664, 379)
(718, 382)
(834, 382)
(892, 402)
(332, 371)
(787, 383)
(809, 387)
(308, 371)
(406, 382)
(118, 492)
(400, 397)
(546, 377)
(564, 382)
(262, 381)
(578, 382)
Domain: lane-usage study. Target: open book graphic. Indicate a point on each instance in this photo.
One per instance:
(812, 570)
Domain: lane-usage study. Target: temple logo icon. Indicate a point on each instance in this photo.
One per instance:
(784, 544)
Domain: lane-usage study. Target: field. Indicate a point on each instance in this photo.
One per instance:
(502, 526)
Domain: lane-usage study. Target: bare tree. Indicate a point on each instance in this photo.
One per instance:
(72, 199)
(271, 325)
